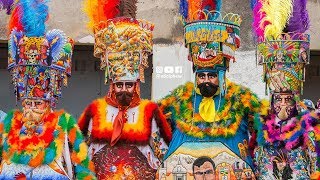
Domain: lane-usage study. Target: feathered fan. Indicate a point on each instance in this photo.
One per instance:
(102, 10)
(273, 17)
(299, 21)
(29, 16)
(189, 8)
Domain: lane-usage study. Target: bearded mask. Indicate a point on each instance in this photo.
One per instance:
(124, 98)
(33, 110)
(284, 105)
(208, 89)
(207, 83)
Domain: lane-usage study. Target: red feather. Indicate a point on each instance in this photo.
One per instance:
(15, 20)
(111, 9)
(208, 5)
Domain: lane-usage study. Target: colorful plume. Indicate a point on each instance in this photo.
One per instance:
(271, 17)
(30, 16)
(15, 20)
(6, 4)
(100, 11)
(299, 21)
(190, 9)
(253, 3)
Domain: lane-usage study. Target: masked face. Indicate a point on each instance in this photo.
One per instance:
(124, 92)
(33, 110)
(284, 105)
(207, 82)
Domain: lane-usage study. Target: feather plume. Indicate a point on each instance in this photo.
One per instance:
(6, 4)
(183, 10)
(277, 14)
(253, 3)
(189, 9)
(100, 11)
(111, 8)
(128, 8)
(258, 15)
(211, 5)
(15, 20)
(30, 16)
(299, 21)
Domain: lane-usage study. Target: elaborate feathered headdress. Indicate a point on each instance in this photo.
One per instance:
(283, 46)
(39, 62)
(212, 38)
(122, 42)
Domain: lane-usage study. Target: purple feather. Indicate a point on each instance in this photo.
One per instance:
(299, 21)
(6, 4)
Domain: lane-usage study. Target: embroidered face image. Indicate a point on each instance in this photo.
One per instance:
(203, 168)
(282, 77)
(206, 54)
(33, 51)
(284, 105)
(279, 56)
(203, 160)
(288, 51)
(208, 83)
(304, 57)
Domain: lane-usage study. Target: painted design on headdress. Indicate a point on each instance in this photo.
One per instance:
(283, 48)
(121, 42)
(39, 62)
(212, 38)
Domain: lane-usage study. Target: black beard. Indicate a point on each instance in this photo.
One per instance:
(124, 98)
(208, 89)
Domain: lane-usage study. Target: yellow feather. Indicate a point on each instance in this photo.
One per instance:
(95, 12)
(278, 13)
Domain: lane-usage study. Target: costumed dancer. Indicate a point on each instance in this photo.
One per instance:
(39, 142)
(211, 116)
(288, 136)
(127, 136)
(6, 5)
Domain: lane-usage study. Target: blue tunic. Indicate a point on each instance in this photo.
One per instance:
(231, 142)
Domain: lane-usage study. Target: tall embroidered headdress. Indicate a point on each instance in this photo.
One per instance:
(39, 61)
(282, 45)
(122, 42)
(211, 37)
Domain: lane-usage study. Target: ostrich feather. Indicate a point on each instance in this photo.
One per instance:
(299, 21)
(100, 11)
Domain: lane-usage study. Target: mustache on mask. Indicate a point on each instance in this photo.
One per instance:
(208, 89)
(34, 114)
(124, 98)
